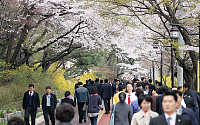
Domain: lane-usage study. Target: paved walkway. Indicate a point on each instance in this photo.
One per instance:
(103, 119)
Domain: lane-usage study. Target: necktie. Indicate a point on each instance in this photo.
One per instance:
(30, 93)
(168, 121)
(129, 99)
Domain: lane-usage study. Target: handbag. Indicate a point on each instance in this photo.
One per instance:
(112, 117)
(85, 107)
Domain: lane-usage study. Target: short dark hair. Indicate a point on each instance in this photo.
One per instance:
(101, 81)
(97, 80)
(157, 90)
(121, 87)
(115, 80)
(165, 89)
(142, 78)
(186, 85)
(48, 87)
(128, 83)
(92, 82)
(159, 83)
(64, 112)
(31, 85)
(138, 92)
(187, 93)
(150, 80)
(106, 80)
(80, 83)
(87, 81)
(67, 93)
(177, 92)
(144, 97)
(146, 84)
(139, 84)
(171, 94)
(16, 121)
(93, 90)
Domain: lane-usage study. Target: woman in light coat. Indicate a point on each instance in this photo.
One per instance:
(143, 116)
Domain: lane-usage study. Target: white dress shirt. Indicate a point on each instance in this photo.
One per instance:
(183, 103)
(48, 100)
(133, 97)
(173, 118)
(31, 93)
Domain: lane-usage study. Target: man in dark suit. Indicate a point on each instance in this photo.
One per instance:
(159, 99)
(170, 116)
(31, 103)
(187, 112)
(49, 102)
(188, 100)
(106, 92)
(96, 82)
(87, 84)
(115, 85)
(99, 90)
(147, 89)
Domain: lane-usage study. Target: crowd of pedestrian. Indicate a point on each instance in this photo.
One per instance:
(134, 102)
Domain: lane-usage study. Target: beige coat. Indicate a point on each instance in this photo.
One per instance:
(140, 119)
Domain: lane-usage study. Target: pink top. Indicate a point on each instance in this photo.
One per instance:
(146, 114)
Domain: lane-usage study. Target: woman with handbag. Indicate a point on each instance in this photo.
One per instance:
(145, 114)
(93, 102)
(121, 112)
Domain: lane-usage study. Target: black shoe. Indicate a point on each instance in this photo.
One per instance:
(106, 113)
(80, 122)
(85, 120)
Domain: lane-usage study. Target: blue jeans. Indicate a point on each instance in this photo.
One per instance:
(94, 120)
(196, 111)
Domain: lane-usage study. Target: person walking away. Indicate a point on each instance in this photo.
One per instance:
(106, 92)
(188, 100)
(143, 116)
(31, 103)
(64, 114)
(99, 90)
(81, 94)
(49, 102)
(68, 99)
(130, 96)
(194, 95)
(134, 104)
(123, 111)
(93, 102)
(170, 117)
(187, 112)
(86, 85)
(96, 82)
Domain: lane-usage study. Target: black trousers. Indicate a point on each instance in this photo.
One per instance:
(82, 114)
(107, 105)
(48, 112)
(29, 110)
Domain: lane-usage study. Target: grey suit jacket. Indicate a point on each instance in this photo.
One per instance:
(123, 114)
(140, 119)
(180, 120)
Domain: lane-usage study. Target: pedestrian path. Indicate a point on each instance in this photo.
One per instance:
(103, 119)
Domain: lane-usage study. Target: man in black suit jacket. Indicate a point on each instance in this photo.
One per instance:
(106, 92)
(115, 86)
(159, 99)
(188, 100)
(96, 82)
(49, 102)
(170, 116)
(31, 103)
